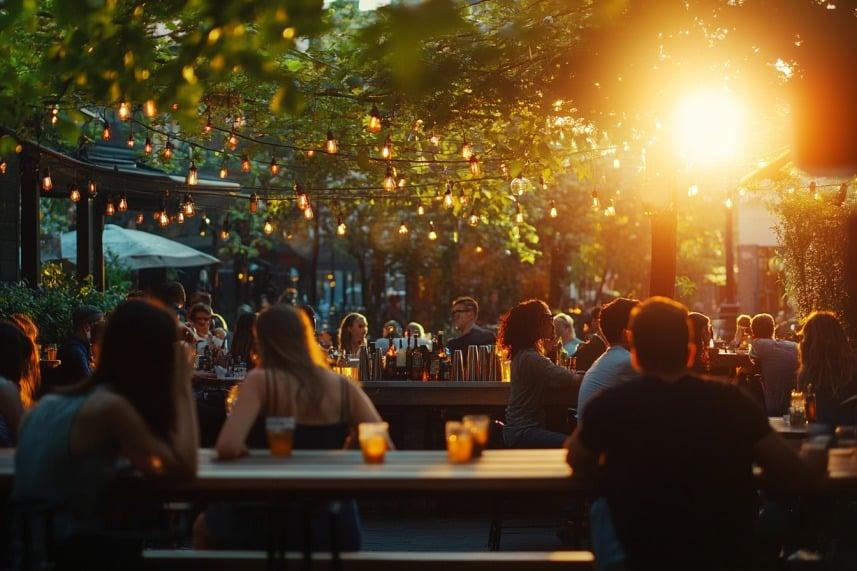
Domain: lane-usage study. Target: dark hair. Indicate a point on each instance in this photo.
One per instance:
(467, 302)
(173, 294)
(135, 293)
(701, 335)
(137, 361)
(198, 308)
(244, 338)
(18, 361)
(825, 356)
(343, 339)
(520, 328)
(594, 315)
(743, 320)
(86, 315)
(200, 297)
(660, 332)
(614, 318)
(762, 326)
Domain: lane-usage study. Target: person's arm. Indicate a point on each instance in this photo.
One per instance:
(232, 441)
(783, 468)
(75, 364)
(551, 375)
(11, 408)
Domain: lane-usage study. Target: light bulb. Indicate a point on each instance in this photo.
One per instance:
(74, 193)
(109, 208)
(47, 183)
(387, 149)
(421, 210)
(542, 183)
(462, 198)
(693, 190)
(192, 175)
(728, 203)
(308, 213)
(150, 108)
(340, 226)
(275, 168)
(203, 225)
(473, 220)
(268, 228)
(245, 163)
(403, 228)
(466, 150)
(553, 212)
(188, 206)
(164, 219)
(474, 165)
(432, 235)
(224, 230)
(504, 170)
(232, 141)
(519, 216)
(54, 115)
(130, 140)
(331, 146)
(478, 249)
(123, 203)
(208, 126)
(374, 123)
(147, 147)
(91, 188)
(105, 131)
(610, 210)
(254, 202)
(224, 172)
(616, 163)
(303, 201)
(594, 199)
(390, 180)
(310, 153)
(180, 217)
(138, 219)
(168, 150)
(124, 111)
(3, 166)
(447, 198)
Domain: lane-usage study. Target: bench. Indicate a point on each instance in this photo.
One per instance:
(184, 560)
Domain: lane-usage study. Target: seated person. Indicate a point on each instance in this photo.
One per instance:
(75, 353)
(594, 346)
(15, 375)
(673, 457)
(465, 312)
(564, 326)
(778, 362)
(199, 318)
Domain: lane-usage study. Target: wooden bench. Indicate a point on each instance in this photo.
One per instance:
(184, 560)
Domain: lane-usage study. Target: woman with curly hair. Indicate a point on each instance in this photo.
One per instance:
(522, 331)
(827, 363)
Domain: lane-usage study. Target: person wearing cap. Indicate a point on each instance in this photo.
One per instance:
(75, 353)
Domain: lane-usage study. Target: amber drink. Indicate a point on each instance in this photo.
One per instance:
(373, 441)
(281, 435)
(478, 424)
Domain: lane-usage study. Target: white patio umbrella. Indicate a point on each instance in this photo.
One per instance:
(139, 250)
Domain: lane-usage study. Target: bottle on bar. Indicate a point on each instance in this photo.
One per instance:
(445, 362)
(390, 358)
(402, 363)
(418, 361)
(409, 356)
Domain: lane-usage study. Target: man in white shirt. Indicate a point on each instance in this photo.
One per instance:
(613, 367)
(778, 361)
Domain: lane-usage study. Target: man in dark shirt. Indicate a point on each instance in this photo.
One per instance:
(676, 455)
(74, 352)
(594, 346)
(465, 310)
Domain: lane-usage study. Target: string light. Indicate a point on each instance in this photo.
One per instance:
(3, 166)
(475, 170)
(192, 175)
(109, 208)
(268, 228)
(462, 198)
(124, 111)
(188, 207)
(105, 131)
(150, 108)
(341, 229)
(147, 147)
(421, 210)
(139, 219)
(434, 139)
(208, 126)
(595, 203)
(164, 219)
(478, 249)
(432, 235)
(308, 213)
(180, 217)
(387, 149)
(47, 183)
(331, 146)
(504, 169)
(55, 111)
(203, 225)
(519, 216)
(553, 212)
(131, 141)
(518, 185)
(245, 163)
(616, 163)
(728, 203)
(610, 210)
(224, 229)
(390, 179)
(466, 150)
(275, 168)
(74, 193)
(403, 228)
(693, 190)
(232, 140)
(447, 196)
(374, 123)
(123, 203)
(224, 172)
(473, 220)
(168, 150)
(542, 183)
(254, 202)
(310, 153)
(91, 188)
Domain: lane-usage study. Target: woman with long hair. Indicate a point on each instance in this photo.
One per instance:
(522, 333)
(244, 340)
(352, 333)
(15, 349)
(827, 363)
(702, 339)
(293, 379)
(137, 405)
(30, 383)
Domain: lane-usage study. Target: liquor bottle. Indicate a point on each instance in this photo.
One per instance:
(445, 362)
(433, 365)
(402, 363)
(409, 355)
(810, 404)
(417, 361)
(390, 358)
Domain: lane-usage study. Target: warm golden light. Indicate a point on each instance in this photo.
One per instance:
(432, 235)
(308, 213)
(387, 149)
(150, 108)
(147, 148)
(331, 146)
(553, 211)
(390, 180)
(124, 111)
(421, 210)
(139, 218)
(374, 124)
(224, 172)
(403, 228)
(109, 209)
(245, 164)
(254, 202)
(341, 229)
(709, 126)
(74, 193)
(168, 151)
(47, 182)
(268, 228)
(123, 203)
(192, 175)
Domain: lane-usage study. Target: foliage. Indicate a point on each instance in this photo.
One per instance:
(52, 305)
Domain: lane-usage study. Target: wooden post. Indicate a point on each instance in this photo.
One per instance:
(663, 272)
(30, 193)
(83, 227)
(97, 243)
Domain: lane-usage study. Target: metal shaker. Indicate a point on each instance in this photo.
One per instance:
(484, 362)
(363, 365)
(472, 364)
(457, 373)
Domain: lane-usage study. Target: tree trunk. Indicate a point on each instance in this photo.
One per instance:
(377, 287)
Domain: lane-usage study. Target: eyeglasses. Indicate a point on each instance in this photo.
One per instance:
(455, 311)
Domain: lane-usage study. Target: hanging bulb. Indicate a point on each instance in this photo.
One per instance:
(542, 183)
(109, 208)
(224, 230)
(208, 126)
(224, 172)
(188, 207)
(105, 131)
(275, 168)
(553, 212)
(47, 183)
(168, 150)
(432, 235)
(813, 190)
(232, 141)
(421, 210)
(3, 166)
(254, 202)
(124, 111)
(303, 201)
(692, 191)
(504, 170)
(478, 249)
(268, 228)
(147, 147)
(74, 193)
(91, 188)
(245, 163)
(331, 146)
(519, 216)
(192, 175)
(462, 198)
(203, 225)
(150, 108)
(390, 180)
(164, 219)
(728, 203)
(374, 123)
(138, 220)
(473, 220)
(387, 149)
(466, 150)
(403, 228)
(310, 153)
(474, 165)
(341, 229)
(611, 210)
(594, 199)
(55, 111)
(616, 163)
(180, 217)
(130, 141)
(402, 182)
(447, 196)
(123, 202)
(434, 139)
(308, 213)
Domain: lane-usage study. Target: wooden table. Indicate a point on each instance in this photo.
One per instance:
(787, 430)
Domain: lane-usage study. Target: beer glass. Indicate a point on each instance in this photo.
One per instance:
(478, 424)
(459, 442)
(281, 434)
(373, 441)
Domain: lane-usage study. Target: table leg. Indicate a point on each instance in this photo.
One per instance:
(496, 527)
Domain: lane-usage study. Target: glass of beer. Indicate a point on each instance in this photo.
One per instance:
(50, 352)
(373, 441)
(281, 434)
(478, 424)
(459, 442)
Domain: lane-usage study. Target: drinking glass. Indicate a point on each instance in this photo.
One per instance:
(459, 442)
(373, 441)
(478, 424)
(281, 434)
(50, 352)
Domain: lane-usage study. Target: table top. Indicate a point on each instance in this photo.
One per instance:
(786, 429)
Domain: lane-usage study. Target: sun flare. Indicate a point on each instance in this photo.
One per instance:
(709, 126)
